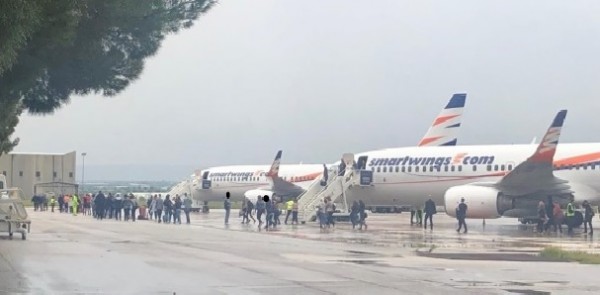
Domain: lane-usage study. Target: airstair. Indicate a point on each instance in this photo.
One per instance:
(180, 189)
(334, 187)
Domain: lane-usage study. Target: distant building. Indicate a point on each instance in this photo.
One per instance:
(37, 173)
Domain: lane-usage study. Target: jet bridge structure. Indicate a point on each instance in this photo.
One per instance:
(333, 185)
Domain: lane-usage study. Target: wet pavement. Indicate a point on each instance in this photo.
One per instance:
(80, 255)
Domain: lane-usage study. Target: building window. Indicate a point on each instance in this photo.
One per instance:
(20, 173)
(38, 174)
(54, 174)
(71, 174)
(4, 173)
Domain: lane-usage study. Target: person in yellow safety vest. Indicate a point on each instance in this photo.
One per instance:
(74, 204)
(52, 203)
(288, 207)
(570, 214)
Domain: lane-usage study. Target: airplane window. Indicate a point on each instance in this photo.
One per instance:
(474, 167)
(384, 169)
(409, 168)
(577, 167)
(416, 168)
(373, 169)
(489, 167)
(452, 168)
(510, 167)
(502, 167)
(594, 166)
(431, 169)
(424, 168)
(495, 167)
(378, 169)
(585, 166)
(403, 169)
(459, 168)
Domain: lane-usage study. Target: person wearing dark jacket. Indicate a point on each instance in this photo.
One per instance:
(588, 214)
(100, 202)
(429, 211)
(177, 216)
(461, 215)
(354, 214)
(168, 205)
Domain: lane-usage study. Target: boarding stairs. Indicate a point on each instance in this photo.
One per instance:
(335, 188)
(180, 188)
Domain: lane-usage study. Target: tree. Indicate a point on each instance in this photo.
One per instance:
(55, 49)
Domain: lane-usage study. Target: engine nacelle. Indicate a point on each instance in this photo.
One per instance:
(253, 194)
(482, 202)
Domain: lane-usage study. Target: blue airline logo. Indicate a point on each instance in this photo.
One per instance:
(458, 159)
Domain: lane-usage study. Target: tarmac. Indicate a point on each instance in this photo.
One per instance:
(80, 255)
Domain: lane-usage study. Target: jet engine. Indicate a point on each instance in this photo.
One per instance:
(253, 194)
(482, 201)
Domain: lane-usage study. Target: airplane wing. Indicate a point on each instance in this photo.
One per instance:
(280, 186)
(535, 175)
(444, 130)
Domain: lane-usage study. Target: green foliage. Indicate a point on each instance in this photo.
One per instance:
(51, 50)
(578, 256)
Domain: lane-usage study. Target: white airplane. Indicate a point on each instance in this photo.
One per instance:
(495, 180)
(289, 180)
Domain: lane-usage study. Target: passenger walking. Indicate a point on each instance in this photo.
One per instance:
(559, 217)
(429, 211)
(159, 205)
(150, 207)
(549, 214)
(295, 211)
(413, 212)
(100, 203)
(288, 207)
(61, 203)
(541, 216)
(570, 214)
(354, 214)
(419, 216)
(249, 209)
(270, 209)
(244, 211)
(587, 217)
(277, 212)
(227, 207)
(330, 210)
(134, 206)
(178, 205)
(461, 215)
(260, 209)
(322, 213)
(127, 205)
(168, 207)
(118, 207)
(187, 208)
(87, 204)
(363, 215)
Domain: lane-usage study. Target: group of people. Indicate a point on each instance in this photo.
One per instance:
(169, 210)
(70, 204)
(271, 208)
(113, 206)
(551, 216)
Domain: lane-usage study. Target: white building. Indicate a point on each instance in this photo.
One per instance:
(37, 173)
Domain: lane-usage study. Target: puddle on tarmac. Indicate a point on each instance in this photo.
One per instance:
(527, 292)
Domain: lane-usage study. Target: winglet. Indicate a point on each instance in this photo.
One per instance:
(547, 147)
(444, 130)
(274, 171)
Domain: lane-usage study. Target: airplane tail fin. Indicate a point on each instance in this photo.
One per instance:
(547, 147)
(274, 171)
(444, 130)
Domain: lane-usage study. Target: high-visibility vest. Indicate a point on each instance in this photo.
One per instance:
(289, 205)
(570, 210)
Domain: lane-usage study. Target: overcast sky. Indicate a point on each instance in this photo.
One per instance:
(252, 77)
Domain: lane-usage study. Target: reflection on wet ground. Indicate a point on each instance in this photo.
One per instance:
(392, 257)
